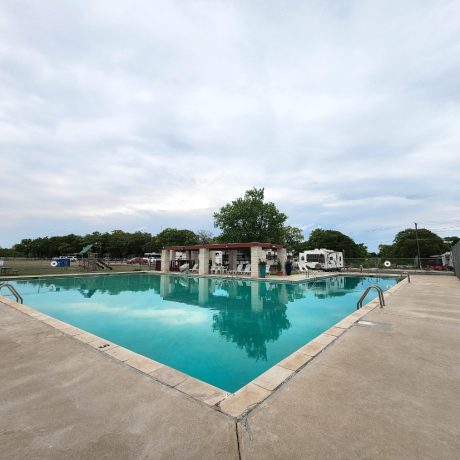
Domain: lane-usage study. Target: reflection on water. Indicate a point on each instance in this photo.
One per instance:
(223, 331)
(334, 287)
(248, 314)
(199, 291)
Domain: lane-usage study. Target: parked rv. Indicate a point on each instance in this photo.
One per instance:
(152, 257)
(441, 262)
(322, 259)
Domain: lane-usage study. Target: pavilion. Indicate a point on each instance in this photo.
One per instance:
(203, 253)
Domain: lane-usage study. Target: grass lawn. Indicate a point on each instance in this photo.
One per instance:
(43, 267)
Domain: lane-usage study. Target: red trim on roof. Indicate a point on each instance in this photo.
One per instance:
(223, 246)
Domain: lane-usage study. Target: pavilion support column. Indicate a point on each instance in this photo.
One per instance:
(256, 254)
(232, 290)
(165, 286)
(172, 256)
(282, 257)
(232, 261)
(203, 291)
(188, 255)
(165, 259)
(256, 299)
(203, 261)
(283, 296)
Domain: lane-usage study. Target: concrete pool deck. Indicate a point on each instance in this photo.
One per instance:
(387, 388)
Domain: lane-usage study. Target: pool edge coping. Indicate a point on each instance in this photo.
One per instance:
(236, 405)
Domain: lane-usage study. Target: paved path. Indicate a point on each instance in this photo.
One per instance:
(60, 399)
(383, 390)
(389, 390)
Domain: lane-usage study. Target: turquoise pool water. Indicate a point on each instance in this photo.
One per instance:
(222, 331)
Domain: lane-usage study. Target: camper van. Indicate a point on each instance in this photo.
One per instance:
(321, 259)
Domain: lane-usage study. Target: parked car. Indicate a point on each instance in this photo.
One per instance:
(138, 260)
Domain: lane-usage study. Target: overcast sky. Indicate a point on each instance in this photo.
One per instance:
(148, 114)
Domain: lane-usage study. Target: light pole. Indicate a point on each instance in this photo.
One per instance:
(418, 247)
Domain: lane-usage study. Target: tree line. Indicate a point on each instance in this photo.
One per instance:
(245, 219)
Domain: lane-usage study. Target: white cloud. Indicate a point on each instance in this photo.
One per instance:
(169, 317)
(157, 114)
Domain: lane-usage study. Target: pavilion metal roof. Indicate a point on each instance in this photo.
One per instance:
(224, 246)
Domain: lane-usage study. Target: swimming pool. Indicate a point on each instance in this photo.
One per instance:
(223, 331)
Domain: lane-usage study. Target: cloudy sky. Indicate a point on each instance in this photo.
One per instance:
(149, 114)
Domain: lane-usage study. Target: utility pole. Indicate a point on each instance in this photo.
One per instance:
(418, 247)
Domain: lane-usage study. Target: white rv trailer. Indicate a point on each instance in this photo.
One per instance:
(152, 256)
(442, 261)
(448, 260)
(321, 259)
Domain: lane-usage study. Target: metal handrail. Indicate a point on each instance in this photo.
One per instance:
(380, 292)
(408, 276)
(13, 291)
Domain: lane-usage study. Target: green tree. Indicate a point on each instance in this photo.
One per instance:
(98, 240)
(386, 251)
(137, 242)
(175, 237)
(24, 247)
(451, 241)
(293, 239)
(117, 244)
(40, 247)
(152, 246)
(249, 219)
(7, 252)
(362, 250)
(204, 237)
(337, 241)
(405, 244)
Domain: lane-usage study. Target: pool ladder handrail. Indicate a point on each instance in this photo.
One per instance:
(12, 290)
(380, 292)
(407, 275)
